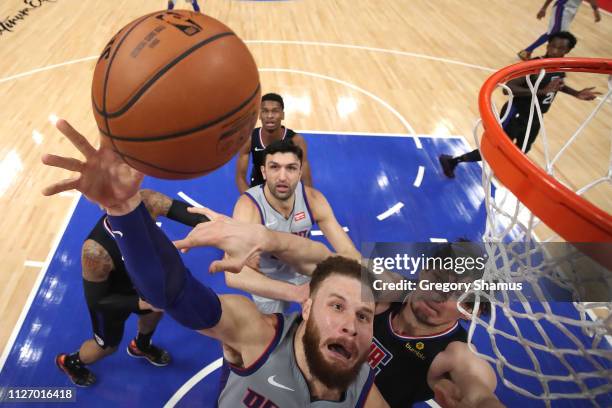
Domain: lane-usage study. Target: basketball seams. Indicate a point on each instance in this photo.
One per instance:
(107, 74)
(136, 96)
(188, 131)
(170, 171)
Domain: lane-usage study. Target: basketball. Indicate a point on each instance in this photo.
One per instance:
(176, 94)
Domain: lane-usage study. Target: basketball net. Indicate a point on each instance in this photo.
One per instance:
(528, 206)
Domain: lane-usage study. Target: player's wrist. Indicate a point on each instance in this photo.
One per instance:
(124, 207)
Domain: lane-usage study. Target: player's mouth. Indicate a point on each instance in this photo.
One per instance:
(282, 188)
(270, 124)
(340, 351)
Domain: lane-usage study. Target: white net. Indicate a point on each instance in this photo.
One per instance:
(552, 338)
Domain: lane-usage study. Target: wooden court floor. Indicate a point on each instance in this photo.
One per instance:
(376, 66)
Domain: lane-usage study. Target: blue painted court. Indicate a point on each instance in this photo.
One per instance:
(363, 177)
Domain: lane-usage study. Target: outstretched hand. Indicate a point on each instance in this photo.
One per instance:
(587, 94)
(104, 177)
(242, 242)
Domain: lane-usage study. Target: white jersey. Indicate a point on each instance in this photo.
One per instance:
(562, 14)
(299, 223)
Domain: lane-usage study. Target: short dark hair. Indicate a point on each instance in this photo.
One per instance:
(464, 248)
(337, 265)
(283, 146)
(564, 35)
(274, 97)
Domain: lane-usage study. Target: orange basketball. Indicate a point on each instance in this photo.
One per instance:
(175, 93)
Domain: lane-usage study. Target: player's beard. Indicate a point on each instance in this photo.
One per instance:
(330, 375)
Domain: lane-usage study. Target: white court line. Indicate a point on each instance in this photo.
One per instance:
(47, 68)
(394, 209)
(377, 134)
(319, 233)
(320, 44)
(398, 115)
(68, 194)
(34, 264)
(189, 384)
(419, 178)
(36, 286)
(438, 240)
(189, 199)
(374, 49)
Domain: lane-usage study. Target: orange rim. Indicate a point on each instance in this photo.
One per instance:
(571, 216)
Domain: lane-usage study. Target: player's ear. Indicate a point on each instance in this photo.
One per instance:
(263, 172)
(306, 306)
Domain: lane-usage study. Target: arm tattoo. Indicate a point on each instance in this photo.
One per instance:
(95, 261)
(157, 203)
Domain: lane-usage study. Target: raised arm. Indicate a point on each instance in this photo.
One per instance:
(159, 204)
(242, 164)
(306, 174)
(542, 11)
(595, 8)
(325, 218)
(153, 263)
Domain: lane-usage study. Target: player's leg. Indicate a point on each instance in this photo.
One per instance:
(517, 130)
(195, 5)
(558, 20)
(108, 332)
(170, 4)
(449, 163)
(141, 345)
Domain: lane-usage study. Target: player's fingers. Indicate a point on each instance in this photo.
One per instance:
(67, 163)
(446, 394)
(210, 214)
(226, 264)
(184, 244)
(64, 185)
(77, 139)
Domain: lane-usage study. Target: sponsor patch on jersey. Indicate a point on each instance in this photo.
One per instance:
(299, 216)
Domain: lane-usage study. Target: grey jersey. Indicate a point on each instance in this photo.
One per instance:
(275, 379)
(299, 222)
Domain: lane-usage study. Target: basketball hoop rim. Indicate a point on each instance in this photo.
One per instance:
(571, 216)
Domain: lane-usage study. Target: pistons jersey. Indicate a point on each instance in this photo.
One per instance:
(276, 381)
(299, 222)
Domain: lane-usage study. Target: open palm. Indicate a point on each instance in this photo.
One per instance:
(104, 177)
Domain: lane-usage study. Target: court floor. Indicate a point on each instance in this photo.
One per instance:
(397, 194)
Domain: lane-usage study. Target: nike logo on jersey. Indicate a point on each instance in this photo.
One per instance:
(259, 149)
(271, 223)
(274, 383)
(117, 233)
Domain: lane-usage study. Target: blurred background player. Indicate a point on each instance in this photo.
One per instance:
(562, 14)
(515, 125)
(194, 3)
(282, 203)
(271, 116)
(111, 297)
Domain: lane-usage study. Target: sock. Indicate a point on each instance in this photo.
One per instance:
(170, 5)
(73, 359)
(143, 341)
(196, 8)
(472, 156)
